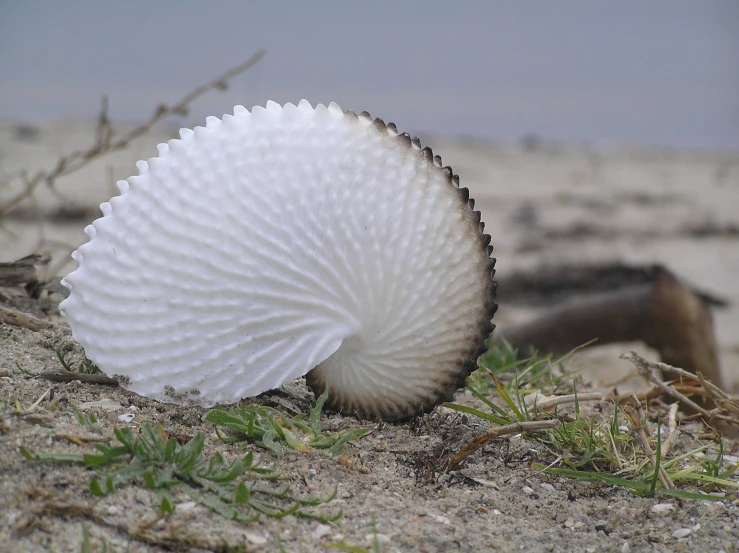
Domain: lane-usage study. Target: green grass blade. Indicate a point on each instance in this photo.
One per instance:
(490, 404)
(54, 457)
(315, 412)
(511, 404)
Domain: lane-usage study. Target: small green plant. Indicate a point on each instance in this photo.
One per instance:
(88, 421)
(712, 467)
(26, 372)
(502, 362)
(527, 376)
(240, 490)
(85, 367)
(17, 409)
(584, 443)
(268, 428)
(591, 447)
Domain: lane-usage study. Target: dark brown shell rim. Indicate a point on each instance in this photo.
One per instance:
(490, 307)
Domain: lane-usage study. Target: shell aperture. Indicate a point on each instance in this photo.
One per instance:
(285, 242)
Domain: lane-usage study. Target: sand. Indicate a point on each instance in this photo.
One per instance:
(541, 203)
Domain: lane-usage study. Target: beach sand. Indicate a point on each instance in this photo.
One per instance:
(542, 203)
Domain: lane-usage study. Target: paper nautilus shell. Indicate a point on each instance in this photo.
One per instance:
(285, 242)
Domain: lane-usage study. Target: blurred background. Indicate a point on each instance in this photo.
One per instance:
(648, 73)
(590, 133)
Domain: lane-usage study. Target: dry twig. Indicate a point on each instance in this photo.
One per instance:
(56, 376)
(672, 425)
(105, 141)
(478, 443)
(548, 402)
(724, 418)
(630, 410)
(645, 370)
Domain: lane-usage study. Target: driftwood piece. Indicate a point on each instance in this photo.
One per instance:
(24, 297)
(18, 318)
(555, 283)
(664, 314)
(22, 272)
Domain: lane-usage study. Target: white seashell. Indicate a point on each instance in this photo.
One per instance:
(286, 242)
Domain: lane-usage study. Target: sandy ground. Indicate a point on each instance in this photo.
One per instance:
(496, 503)
(541, 203)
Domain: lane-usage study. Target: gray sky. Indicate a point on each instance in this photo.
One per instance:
(654, 73)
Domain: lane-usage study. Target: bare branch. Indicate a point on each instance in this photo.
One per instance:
(499, 431)
(56, 376)
(548, 402)
(104, 137)
(724, 419)
(645, 370)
